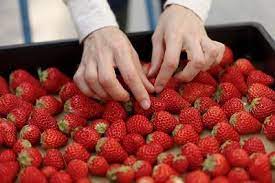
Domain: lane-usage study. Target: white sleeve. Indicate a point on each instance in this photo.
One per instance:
(200, 7)
(90, 15)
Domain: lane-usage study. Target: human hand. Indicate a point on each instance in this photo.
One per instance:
(181, 29)
(104, 50)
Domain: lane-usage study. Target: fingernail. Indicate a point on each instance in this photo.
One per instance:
(158, 89)
(145, 104)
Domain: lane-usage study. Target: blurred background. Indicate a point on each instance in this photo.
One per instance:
(40, 20)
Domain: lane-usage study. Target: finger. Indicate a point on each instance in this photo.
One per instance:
(220, 48)
(195, 54)
(188, 73)
(210, 52)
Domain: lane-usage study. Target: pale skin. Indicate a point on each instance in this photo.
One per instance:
(108, 48)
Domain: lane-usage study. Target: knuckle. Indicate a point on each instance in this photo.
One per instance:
(106, 81)
(91, 78)
(129, 78)
(171, 64)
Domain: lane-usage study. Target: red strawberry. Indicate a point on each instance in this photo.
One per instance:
(142, 168)
(161, 138)
(183, 134)
(117, 130)
(258, 76)
(52, 79)
(193, 154)
(220, 179)
(52, 138)
(7, 155)
(54, 158)
(75, 151)
(166, 157)
(232, 106)
(173, 101)
(48, 171)
(20, 145)
(8, 132)
(98, 165)
(192, 117)
(224, 131)
(8, 171)
(30, 157)
(261, 107)
(164, 121)
(111, 150)
(8, 102)
(69, 90)
(114, 110)
(100, 125)
(77, 169)
(228, 57)
(215, 70)
(238, 158)
(216, 165)
(205, 78)
(42, 119)
(269, 127)
(32, 174)
(4, 87)
(175, 179)
(131, 142)
(139, 124)
(180, 163)
(121, 173)
(61, 177)
(204, 103)
(28, 92)
(130, 160)
(30, 133)
(254, 145)
(172, 83)
(213, 116)
(162, 172)
(226, 91)
(238, 175)
(208, 145)
(197, 176)
(245, 123)
(69, 122)
(229, 146)
(271, 157)
(259, 90)
(84, 180)
(244, 65)
(19, 76)
(87, 137)
(19, 116)
(50, 104)
(149, 152)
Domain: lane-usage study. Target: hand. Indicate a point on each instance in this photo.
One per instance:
(181, 29)
(104, 50)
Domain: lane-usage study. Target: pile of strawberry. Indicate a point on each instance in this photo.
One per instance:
(51, 132)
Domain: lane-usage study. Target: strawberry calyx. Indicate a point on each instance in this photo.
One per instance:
(67, 106)
(26, 144)
(233, 119)
(11, 117)
(63, 126)
(197, 103)
(215, 130)
(137, 165)
(267, 120)
(101, 128)
(43, 75)
(100, 143)
(209, 163)
(19, 91)
(254, 103)
(24, 159)
(128, 106)
(177, 128)
(24, 130)
(218, 94)
(39, 104)
(272, 161)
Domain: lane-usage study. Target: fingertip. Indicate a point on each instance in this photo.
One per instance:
(145, 104)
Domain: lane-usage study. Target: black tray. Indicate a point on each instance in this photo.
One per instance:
(246, 39)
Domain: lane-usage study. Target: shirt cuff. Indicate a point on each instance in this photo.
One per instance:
(90, 15)
(200, 7)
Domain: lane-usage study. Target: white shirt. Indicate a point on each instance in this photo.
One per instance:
(91, 15)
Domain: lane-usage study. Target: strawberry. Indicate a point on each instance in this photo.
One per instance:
(52, 79)
(130, 160)
(131, 142)
(213, 116)
(69, 90)
(139, 124)
(220, 179)
(215, 70)
(205, 78)
(8, 132)
(161, 138)
(180, 163)
(100, 125)
(261, 107)
(193, 154)
(172, 83)
(113, 111)
(75, 151)
(258, 76)
(216, 165)
(69, 122)
(232, 106)
(4, 87)
(183, 134)
(87, 137)
(50, 104)
(164, 121)
(238, 158)
(19, 116)
(54, 158)
(84, 180)
(204, 103)
(98, 165)
(61, 177)
(175, 179)
(259, 90)
(173, 101)
(28, 92)
(245, 123)
(121, 173)
(166, 157)
(8, 102)
(208, 145)
(7, 155)
(145, 179)
(48, 171)
(32, 174)
(229, 145)
(42, 119)
(30, 133)
(21, 144)
(253, 145)
(192, 117)
(244, 65)
(269, 127)
(8, 171)
(227, 58)
(77, 169)
(238, 175)
(224, 131)
(142, 168)
(162, 172)
(117, 130)
(226, 91)
(197, 176)
(19, 76)
(111, 150)
(271, 157)
(30, 157)
(52, 138)
(149, 152)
